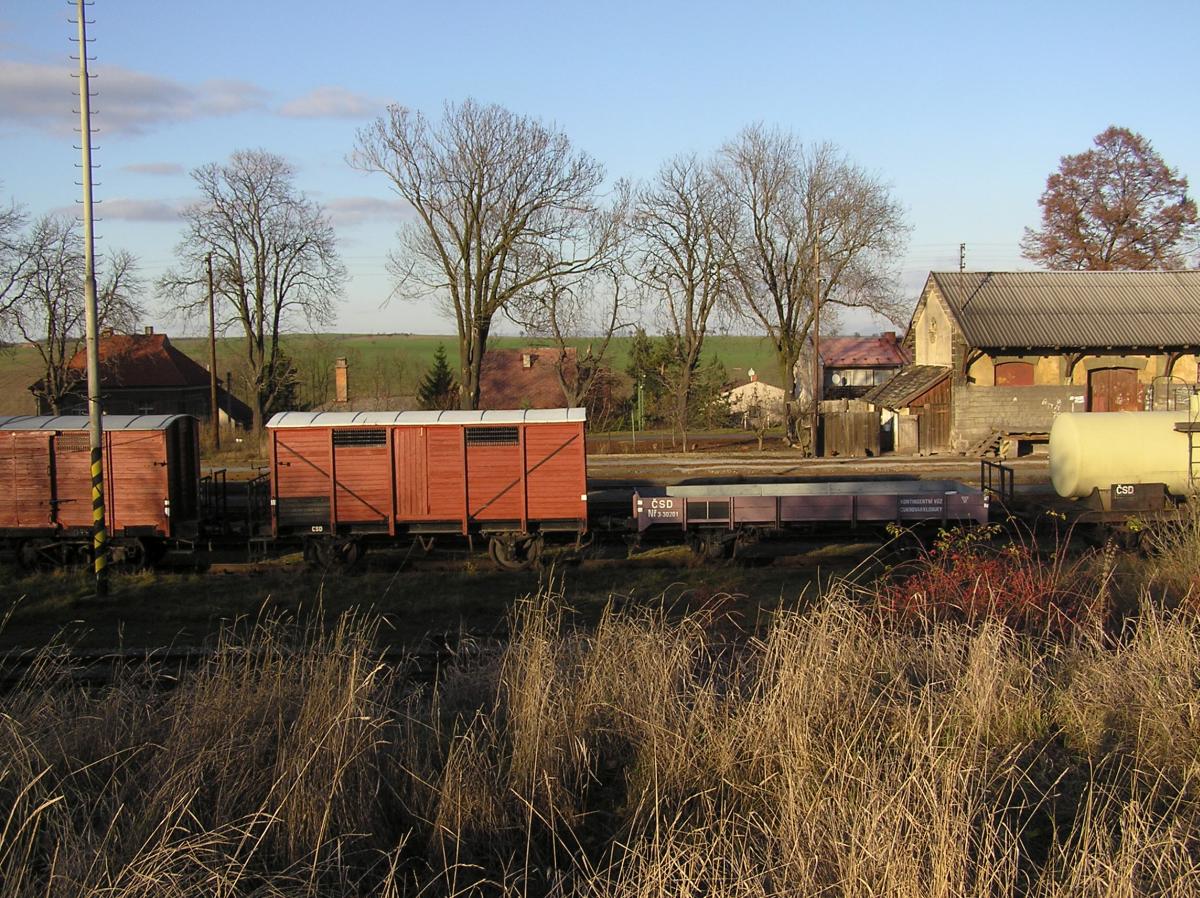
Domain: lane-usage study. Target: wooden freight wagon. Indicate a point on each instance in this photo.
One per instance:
(151, 471)
(339, 478)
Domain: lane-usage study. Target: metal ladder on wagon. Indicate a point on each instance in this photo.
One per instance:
(1191, 427)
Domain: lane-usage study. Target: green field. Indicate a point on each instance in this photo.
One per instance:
(381, 365)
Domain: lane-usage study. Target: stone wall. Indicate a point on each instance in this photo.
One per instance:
(977, 410)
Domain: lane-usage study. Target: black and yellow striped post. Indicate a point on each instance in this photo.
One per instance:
(99, 527)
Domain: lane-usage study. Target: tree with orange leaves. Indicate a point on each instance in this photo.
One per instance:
(1116, 206)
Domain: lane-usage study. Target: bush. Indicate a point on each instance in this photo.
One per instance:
(965, 576)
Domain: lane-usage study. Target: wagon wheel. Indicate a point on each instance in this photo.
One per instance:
(709, 546)
(350, 553)
(319, 554)
(328, 555)
(514, 552)
(135, 554)
(29, 555)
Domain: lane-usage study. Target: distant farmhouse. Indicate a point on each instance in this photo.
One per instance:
(851, 366)
(999, 354)
(524, 378)
(143, 374)
(756, 403)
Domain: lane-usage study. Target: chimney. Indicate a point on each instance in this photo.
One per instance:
(889, 337)
(148, 330)
(527, 360)
(341, 380)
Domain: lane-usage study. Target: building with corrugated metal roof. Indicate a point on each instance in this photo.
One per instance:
(998, 354)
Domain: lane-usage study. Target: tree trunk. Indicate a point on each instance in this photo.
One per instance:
(788, 370)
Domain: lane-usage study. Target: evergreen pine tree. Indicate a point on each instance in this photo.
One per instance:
(437, 390)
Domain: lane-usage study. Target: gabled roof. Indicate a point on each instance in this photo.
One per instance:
(883, 351)
(1074, 309)
(143, 360)
(506, 383)
(906, 385)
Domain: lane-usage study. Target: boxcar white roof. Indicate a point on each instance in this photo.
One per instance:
(380, 419)
(80, 422)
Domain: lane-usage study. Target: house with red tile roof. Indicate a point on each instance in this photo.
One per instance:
(525, 378)
(143, 374)
(854, 365)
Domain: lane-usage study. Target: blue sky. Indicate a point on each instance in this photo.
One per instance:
(964, 108)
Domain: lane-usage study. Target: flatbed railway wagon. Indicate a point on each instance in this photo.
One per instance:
(342, 480)
(715, 518)
(151, 474)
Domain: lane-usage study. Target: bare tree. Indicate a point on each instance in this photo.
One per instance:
(49, 310)
(792, 199)
(503, 205)
(15, 259)
(680, 223)
(593, 305)
(275, 264)
(1115, 206)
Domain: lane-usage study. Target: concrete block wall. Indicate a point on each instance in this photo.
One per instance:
(977, 410)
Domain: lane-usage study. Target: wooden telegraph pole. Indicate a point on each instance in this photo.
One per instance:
(816, 344)
(96, 425)
(214, 410)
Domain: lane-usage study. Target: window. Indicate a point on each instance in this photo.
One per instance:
(492, 436)
(73, 441)
(360, 436)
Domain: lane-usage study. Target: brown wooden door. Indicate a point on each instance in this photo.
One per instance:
(25, 497)
(1114, 390)
(933, 418)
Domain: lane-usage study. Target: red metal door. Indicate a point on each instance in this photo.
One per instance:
(1114, 390)
(1014, 374)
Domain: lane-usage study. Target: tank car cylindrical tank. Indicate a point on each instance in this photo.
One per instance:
(1094, 450)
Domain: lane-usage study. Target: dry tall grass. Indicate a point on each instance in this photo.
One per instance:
(837, 755)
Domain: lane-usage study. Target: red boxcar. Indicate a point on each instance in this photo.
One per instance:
(508, 475)
(151, 471)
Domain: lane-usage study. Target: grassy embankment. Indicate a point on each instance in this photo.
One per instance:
(382, 366)
(972, 730)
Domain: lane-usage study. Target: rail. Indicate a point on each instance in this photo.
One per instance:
(996, 478)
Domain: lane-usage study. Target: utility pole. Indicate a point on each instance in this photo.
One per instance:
(816, 347)
(212, 360)
(95, 424)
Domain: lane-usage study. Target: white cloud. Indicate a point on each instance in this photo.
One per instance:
(154, 168)
(41, 96)
(118, 208)
(332, 102)
(348, 211)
